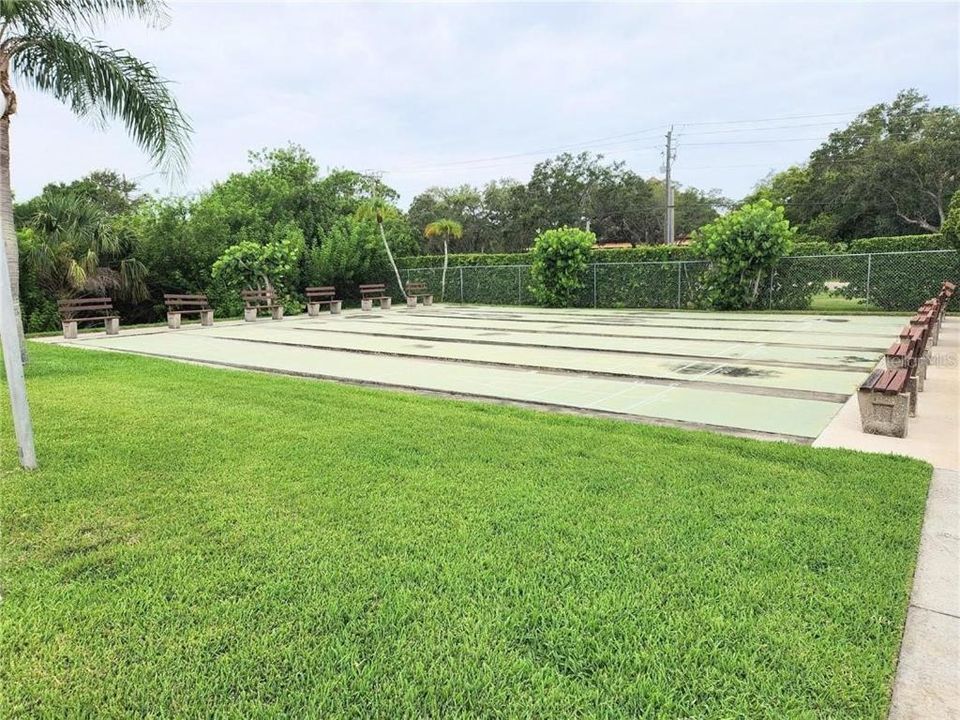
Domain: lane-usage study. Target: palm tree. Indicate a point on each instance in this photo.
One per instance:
(377, 208)
(39, 45)
(75, 248)
(446, 230)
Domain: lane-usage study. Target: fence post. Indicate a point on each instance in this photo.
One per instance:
(869, 270)
(519, 284)
(594, 284)
(679, 270)
(461, 284)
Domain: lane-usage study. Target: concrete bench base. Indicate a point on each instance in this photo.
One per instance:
(313, 308)
(367, 303)
(111, 325)
(173, 319)
(882, 414)
(276, 313)
(427, 300)
(250, 314)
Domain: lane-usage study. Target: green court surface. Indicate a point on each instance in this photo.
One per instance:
(762, 374)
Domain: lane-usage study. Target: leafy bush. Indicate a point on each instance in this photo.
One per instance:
(273, 265)
(951, 225)
(742, 248)
(560, 259)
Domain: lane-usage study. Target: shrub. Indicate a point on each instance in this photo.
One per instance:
(560, 259)
(252, 265)
(350, 253)
(742, 247)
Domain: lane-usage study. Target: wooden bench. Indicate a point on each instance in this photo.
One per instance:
(884, 401)
(917, 337)
(374, 291)
(256, 300)
(418, 290)
(79, 310)
(317, 296)
(179, 305)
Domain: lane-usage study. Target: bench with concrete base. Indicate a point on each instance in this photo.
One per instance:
(317, 296)
(73, 312)
(907, 355)
(884, 401)
(179, 305)
(256, 300)
(374, 291)
(418, 290)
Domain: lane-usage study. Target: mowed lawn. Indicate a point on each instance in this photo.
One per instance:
(203, 542)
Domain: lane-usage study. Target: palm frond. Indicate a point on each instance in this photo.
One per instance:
(101, 83)
(90, 262)
(133, 280)
(42, 258)
(31, 15)
(76, 277)
(444, 227)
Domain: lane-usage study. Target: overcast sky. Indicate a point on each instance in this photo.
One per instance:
(439, 94)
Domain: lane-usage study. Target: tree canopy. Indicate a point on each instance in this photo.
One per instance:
(892, 171)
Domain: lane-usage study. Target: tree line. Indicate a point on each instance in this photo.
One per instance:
(891, 171)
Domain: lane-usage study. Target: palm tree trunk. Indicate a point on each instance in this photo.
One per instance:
(11, 247)
(443, 278)
(383, 236)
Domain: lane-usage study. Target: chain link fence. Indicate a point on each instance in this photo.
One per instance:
(882, 281)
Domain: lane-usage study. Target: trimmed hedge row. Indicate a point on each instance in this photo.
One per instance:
(660, 253)
(899, 244)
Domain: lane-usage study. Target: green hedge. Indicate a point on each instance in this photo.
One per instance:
(660, 253)
(899, 243)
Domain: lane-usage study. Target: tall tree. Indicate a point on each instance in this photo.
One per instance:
(40, 45)
(892, 171)
(446, 230)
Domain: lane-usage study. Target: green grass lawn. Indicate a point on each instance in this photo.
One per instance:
(202, 542)
(823, 302)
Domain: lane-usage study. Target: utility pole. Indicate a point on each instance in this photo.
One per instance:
(13, 362)
(668, 235)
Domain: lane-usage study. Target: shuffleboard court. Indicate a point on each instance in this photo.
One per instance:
(763, 374)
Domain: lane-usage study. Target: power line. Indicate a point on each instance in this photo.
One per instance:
(773, 119)
(753, 142)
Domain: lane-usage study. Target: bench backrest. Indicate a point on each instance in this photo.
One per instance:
(253, 298)
(185, 302)
(373, 289)
(321, 293)
(416, 287)
(85, 308)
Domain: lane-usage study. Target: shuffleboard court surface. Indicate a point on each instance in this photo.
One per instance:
(764, 374)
